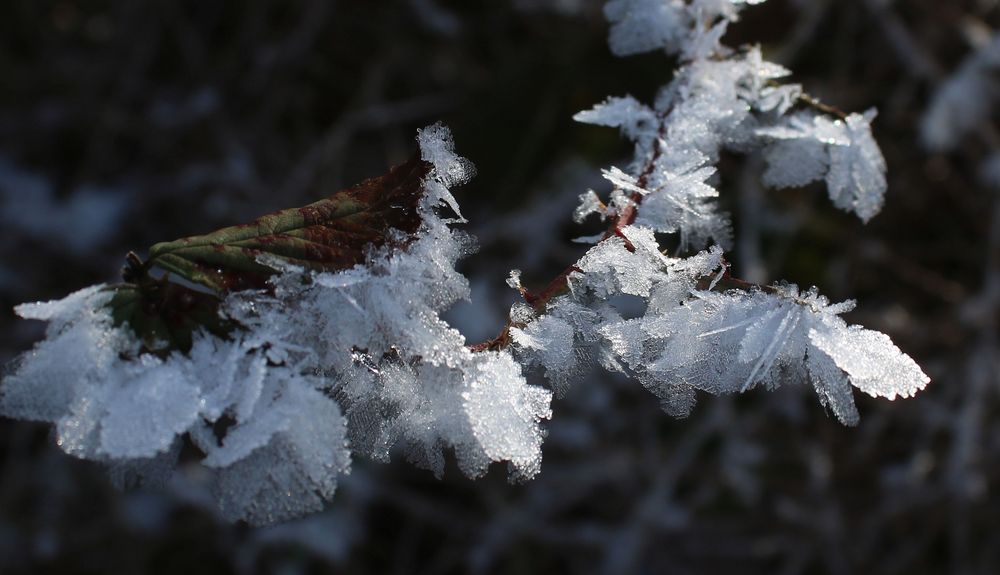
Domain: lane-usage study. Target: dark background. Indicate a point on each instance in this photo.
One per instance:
(125, 123)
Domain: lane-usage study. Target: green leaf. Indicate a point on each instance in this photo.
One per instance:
(332, 234)
(165, 316)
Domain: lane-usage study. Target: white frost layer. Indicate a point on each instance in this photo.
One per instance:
(692, 337)
(359, 358)
(724, 101)
(111, 404)
(807, 148)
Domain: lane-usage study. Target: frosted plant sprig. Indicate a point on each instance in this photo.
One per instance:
(314, 335)
(719, 99)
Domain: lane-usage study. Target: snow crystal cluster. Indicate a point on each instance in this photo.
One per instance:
(360, 362)
(695, 336)
(723, 100)
(696, 332)
(329, 364)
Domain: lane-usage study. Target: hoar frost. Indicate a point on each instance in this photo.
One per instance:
(333, 364)
(696, 333)
(344, 362)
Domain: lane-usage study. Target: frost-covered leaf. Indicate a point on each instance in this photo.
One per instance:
(550, 342)
(799, 150)
(504, 412)
(795, 163)
(295, 470)
(79, 347)
(154, 403)
(805, 148)
(856, 180)
(872, 362)
(683, 276)
(832, 387)
(733, 341)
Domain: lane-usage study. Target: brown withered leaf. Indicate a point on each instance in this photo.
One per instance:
(331, 234)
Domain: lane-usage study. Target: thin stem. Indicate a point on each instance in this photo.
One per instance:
(815, 104)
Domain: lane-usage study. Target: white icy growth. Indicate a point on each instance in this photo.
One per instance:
(635, 119)
(590, 203)
(719, 100)
(681, 200)
(359, 358)
(574, 328)
(711, 105)
(629, 264)
(287, 440)
(856, 180)
(675, 26)
(806, 148)
(550, 342)
(690, 337)
(799, 151)
(733, 341)
(965, 101)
